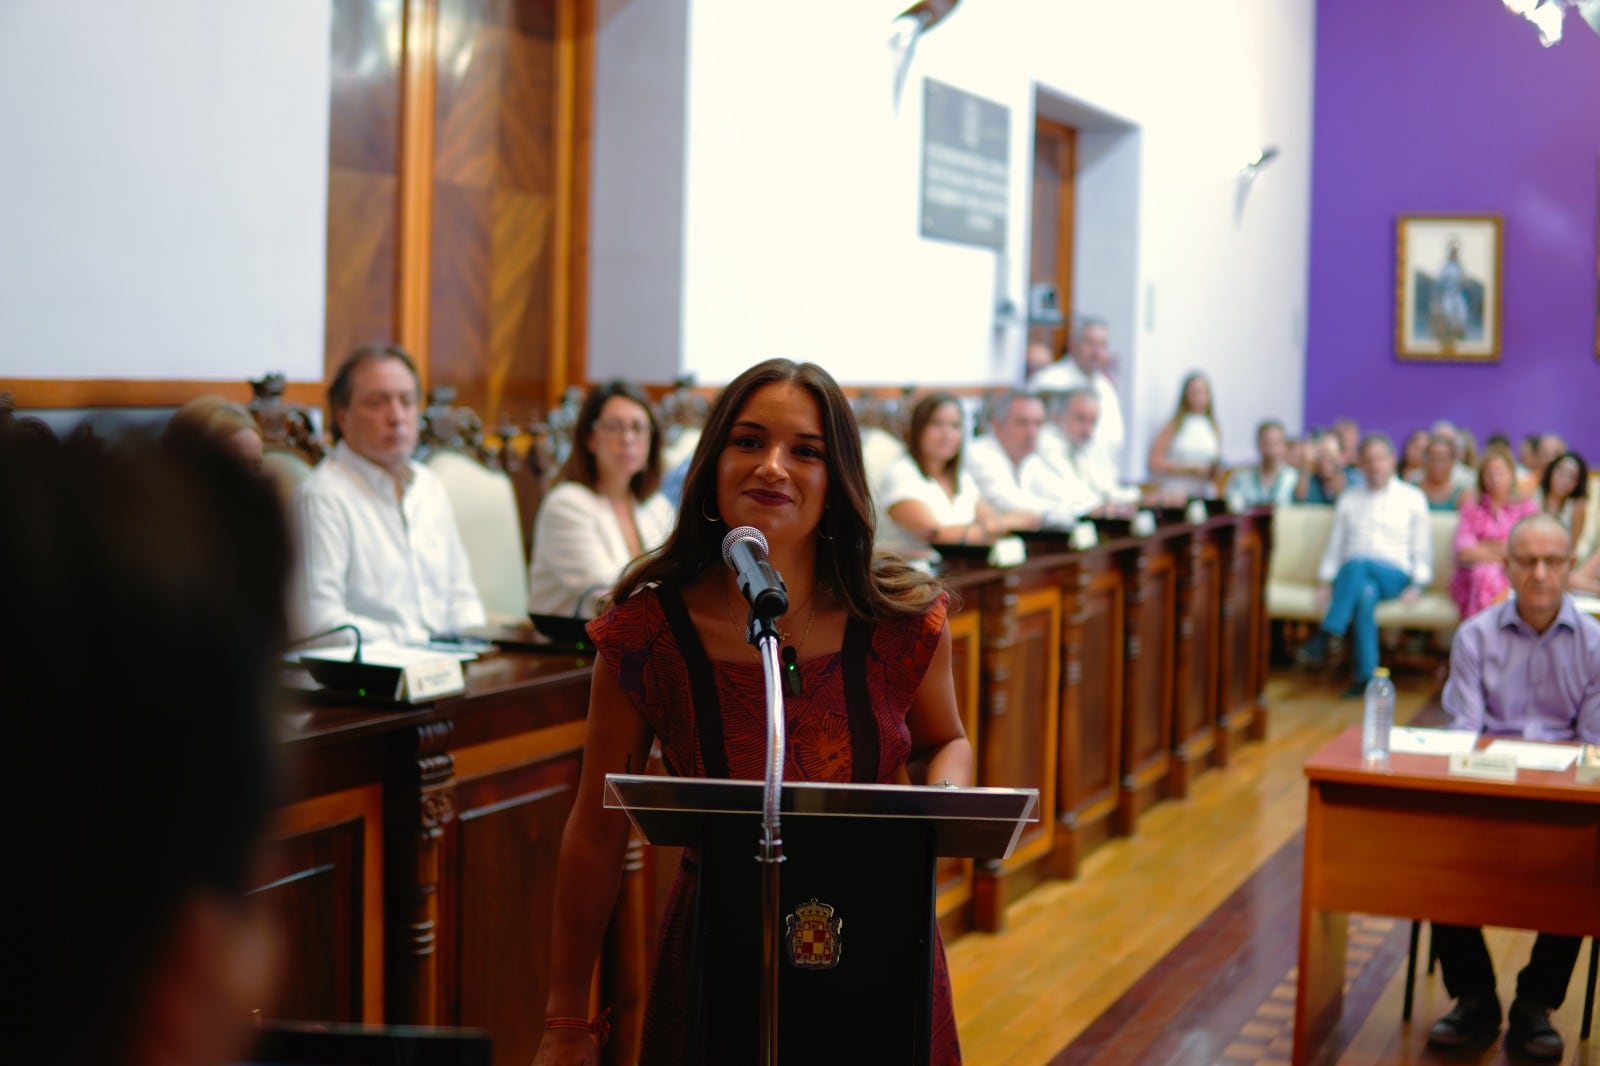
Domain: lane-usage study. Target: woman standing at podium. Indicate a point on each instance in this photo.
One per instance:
(874, 699)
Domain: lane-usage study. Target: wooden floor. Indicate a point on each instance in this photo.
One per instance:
(1075, 951)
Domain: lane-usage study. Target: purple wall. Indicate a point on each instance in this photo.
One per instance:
(1453, 106)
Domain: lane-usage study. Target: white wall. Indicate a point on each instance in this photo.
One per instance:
(800, 223)
(636, 206)
(163, 202)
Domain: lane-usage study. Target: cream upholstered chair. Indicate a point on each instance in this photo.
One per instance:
(485, 506)
(1299, 535)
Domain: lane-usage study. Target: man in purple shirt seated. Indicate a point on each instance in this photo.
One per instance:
(1528, 668)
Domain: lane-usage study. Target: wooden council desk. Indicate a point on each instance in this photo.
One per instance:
(1416, 842)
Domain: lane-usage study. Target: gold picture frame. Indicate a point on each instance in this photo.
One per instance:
(1447, 287)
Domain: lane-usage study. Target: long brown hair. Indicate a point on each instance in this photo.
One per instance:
(1183, 402)
(921, 415)
(868, 588)
(581, 466)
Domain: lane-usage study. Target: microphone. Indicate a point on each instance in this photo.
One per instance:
(355, 656)
(745, 551)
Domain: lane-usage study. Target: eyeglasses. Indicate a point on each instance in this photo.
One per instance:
(622, 429)
(1551, 562)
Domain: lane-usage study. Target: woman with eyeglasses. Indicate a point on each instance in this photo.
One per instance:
(605, 510)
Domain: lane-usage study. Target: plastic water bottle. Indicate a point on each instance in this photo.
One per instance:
(1378, 718)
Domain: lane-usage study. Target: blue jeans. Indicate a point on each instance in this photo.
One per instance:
(1357, 590)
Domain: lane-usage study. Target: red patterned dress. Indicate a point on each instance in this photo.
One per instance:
(847, 725)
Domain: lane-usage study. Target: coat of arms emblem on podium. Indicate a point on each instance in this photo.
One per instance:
(813, 934)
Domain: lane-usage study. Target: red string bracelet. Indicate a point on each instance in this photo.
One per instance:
(599, 1027)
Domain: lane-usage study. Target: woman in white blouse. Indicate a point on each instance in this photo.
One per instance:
(605, 510)
(1186, 455)
(923, 498)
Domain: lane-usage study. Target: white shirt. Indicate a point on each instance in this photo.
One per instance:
(1064, 375)
(1030, 486)
(1086, 469)
(904, 481)
(396, 569)
(1390, 524)
(579, 549)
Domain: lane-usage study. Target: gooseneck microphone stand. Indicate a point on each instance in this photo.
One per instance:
(763, 633)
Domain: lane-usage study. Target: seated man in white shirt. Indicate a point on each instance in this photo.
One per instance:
(1010, 473)
(1380, 549)
(1086, 363)
(1068, 446)
(379, 545)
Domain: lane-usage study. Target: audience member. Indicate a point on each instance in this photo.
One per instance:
(1380, 548)
(1551, 447)
(924, 498)
(1530, 669)
(1564, 492)
(1006, 464)
(1272, 480)
(149, 788)
(1347, 431)
(605, 509)
(380, 546)
(1480, 544)
(1438, 481)
(1088, 363)
(1186, 455)
(1322, 475)
(1036, 358)
(1413, 454)
(1527, 463)
(1469, 455)
(1071, 451)
(223, 421)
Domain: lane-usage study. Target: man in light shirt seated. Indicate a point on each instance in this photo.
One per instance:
(1529, 668)
(1272, 480)
(1087, 363)
(1380, 549)
(1009, 471)
(1069, 448)
(379, 545)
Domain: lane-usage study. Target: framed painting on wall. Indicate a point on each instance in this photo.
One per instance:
(1447, 287)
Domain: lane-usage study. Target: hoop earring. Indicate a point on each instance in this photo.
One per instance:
(708, 517)
(820, 534)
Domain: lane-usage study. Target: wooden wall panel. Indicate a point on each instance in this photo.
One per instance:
(495, 281)
(953, 877)
(1090, 760)
(1194, 711)
(363, 176)
(1243, 639)
(1150, 576)
(501, 862)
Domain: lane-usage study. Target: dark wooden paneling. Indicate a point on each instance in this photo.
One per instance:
(1243, 640)
(363, 169)
(953, 877)
(500, 894)
(1194, 712)
(495, 282)
(1150, 577)
(1090, 761)
(314, 887)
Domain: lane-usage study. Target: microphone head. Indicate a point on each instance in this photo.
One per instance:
(750, 533)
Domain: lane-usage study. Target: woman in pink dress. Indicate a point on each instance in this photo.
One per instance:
(1480, 576)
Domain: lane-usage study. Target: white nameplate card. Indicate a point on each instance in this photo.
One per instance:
(1008, 551)
(1144, 524)
(1412, 740)
(1196, 513)
(1484, 764)
(1531, 755)
(1084, 535)
(432, 678)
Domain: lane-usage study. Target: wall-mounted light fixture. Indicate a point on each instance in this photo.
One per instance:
(1247, 177)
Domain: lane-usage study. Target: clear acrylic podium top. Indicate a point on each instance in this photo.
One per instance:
(977, 823)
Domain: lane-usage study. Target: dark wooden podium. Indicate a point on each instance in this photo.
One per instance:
(857, 895)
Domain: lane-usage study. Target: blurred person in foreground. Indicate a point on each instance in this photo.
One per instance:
(214, 418)
(143, 623)
(876, 701)
(1527, 668)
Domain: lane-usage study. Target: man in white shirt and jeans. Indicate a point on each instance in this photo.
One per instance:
(1380, 549)
(379, 545)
